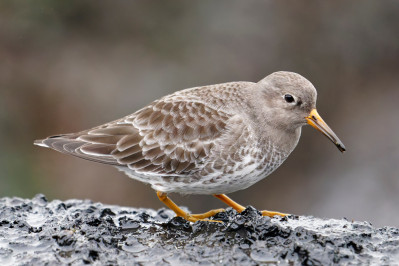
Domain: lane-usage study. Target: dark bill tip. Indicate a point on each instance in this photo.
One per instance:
(341, 147)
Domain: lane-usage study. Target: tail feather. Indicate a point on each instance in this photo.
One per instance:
(40, 142)
(68, 144)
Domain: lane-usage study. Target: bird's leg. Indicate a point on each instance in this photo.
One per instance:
(240, 208)
(189, 217)
(230, 202)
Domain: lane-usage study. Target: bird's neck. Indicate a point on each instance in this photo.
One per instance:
(283, 139)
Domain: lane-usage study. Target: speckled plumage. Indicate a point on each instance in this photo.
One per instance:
(205, 140)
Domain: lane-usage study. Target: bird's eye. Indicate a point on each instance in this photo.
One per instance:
(289, 98)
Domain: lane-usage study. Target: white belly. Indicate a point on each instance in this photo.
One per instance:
(233, 177)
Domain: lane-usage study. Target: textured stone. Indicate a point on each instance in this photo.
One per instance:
(78, 232)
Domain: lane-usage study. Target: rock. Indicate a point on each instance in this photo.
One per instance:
(79, 232)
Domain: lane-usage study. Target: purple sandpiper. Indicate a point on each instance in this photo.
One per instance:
(211, 140)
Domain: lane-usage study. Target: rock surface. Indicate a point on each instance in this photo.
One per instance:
(79, 232)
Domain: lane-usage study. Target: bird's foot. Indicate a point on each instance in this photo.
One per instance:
(240, 208)
(189, 217)
(271, 214)
(204, 216)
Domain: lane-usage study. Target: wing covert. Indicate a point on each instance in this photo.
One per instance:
(166, 138)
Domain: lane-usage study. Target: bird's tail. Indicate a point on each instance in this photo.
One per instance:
(40, 142)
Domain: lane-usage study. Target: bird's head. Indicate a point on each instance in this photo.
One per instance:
(291, 103)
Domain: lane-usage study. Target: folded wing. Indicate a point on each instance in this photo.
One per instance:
(166, 138)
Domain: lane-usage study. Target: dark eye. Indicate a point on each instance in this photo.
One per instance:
(289, 98)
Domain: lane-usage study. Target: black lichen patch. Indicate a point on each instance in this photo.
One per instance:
(82, 232)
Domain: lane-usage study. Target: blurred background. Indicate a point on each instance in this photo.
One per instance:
(66, 66)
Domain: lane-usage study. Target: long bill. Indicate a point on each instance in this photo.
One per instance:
(315, 120)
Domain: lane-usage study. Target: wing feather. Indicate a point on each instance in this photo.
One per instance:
(169, 138)
(172, 136)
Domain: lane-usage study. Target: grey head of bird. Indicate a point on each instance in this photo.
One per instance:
(288, 101)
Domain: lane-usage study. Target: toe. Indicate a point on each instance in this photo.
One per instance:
(271, 214)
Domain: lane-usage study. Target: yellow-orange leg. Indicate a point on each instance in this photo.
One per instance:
(189, 217)
(240, 208)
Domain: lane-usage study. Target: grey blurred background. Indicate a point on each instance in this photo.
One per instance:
(70, 65)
